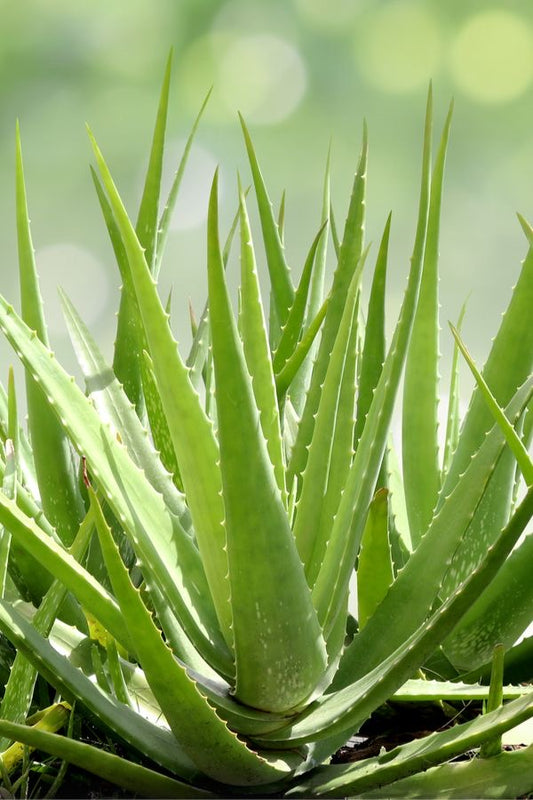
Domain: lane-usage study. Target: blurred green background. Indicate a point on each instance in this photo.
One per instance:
(302, 72)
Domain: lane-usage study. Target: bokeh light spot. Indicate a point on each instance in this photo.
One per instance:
(492, 57)
(82, 277)
(263, 76)
(399, 48)
(330, 15)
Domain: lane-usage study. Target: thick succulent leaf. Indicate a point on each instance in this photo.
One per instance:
(129, 342)
(500, 615)
(416, 588)
(106, 766)
(158, 422)
(166, 216)
(192, 433)
(52, 455)
(279, 651)
(420, 450)
(333, 432)
(332, 583)
(155, 741)
(155, 532)
(356, 779)
(282, 288)
(503, 776)
(115, 409)
(426, 690)
(290, 370)
(300, 386)
(338, 714)
(256, 350)
(64, 566)
(453, 420)
(349, 263)
(513, 440)
(197, 727)
(292, 330)
(508, 365)
(374, 568)
(373, 356)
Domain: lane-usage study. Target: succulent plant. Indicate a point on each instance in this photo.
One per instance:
(189, 528)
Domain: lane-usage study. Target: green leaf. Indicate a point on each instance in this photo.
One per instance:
(56, 472)
(197, 727)
(373, 356)
(279, 651)
(192, 433)
(374, 569)
(417, 586)
(493, 746)
(106, 766)
(350, 262)
(330, 451)
(153, 529)
(358, 778)
(289, 372)
(504, 776)
(282, 288)
(501, 614)
(420, 450)
(332, 583)
(257, 351)
(153, 741)
(339, 713)
(453, 417)
(513, 440)
(18, 693)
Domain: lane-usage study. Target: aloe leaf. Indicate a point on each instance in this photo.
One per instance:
(500, 614)
(257, 352)
(333, 430)
(413, 593)
(166, 216)
(508, 365)
(400, 535)
(146, 227)
(199, 353)
(373, 356)
(154, 741)
(374, 568)
(416, 756)
(197, 727)
(425, 690)
(9, 488)
(154, 531)
(52, 455)
(158, 422)
(129, 342)
(59, 562)
(282, 288)
(106, 766)
(420, 450)
(279, 650)
(192, 433)
(506, 775)
(513, 440)
(349, 263)
(289, 371)
(332, 583)
(453, 417)
(281, 216)
(292, 329)
(340, 712)
(114, 407)
(316, 295)
(493, 746)
(18, 691)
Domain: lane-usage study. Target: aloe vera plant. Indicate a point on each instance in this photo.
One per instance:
(189, 526)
